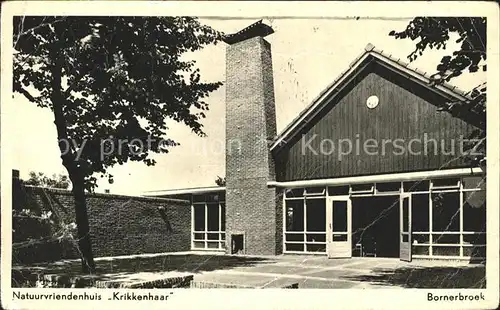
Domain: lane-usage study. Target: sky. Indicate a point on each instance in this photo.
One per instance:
(308, 54)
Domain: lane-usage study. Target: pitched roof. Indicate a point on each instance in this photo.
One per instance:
(181, 191)
(343, 79)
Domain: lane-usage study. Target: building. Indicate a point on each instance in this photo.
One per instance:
(369, 168)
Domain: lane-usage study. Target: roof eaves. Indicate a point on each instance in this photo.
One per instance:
(420, 72)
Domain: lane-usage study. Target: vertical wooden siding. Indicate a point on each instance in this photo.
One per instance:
(406, 111)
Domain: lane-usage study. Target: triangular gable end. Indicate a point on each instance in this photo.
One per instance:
(369, 55)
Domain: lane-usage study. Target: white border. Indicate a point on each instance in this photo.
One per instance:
(266, 299)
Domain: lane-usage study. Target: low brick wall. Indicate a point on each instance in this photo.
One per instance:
(119, 225)
(28, 278)
(172, 282)
(204, 284)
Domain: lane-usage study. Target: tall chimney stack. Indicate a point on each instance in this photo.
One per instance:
(252, 214)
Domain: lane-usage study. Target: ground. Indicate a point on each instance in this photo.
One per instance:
(279, 271)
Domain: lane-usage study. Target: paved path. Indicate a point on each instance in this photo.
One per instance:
(312, 272)
(274, 271)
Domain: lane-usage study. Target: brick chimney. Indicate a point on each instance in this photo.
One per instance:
(251, 207)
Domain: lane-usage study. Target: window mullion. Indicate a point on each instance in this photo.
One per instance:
(206, 225)
(430, 223)
(461, 201)
(305, 224)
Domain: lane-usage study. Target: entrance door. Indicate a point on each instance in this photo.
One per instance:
(338, 227)
(405, 227)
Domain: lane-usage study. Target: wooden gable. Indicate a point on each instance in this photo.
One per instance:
(405, 120)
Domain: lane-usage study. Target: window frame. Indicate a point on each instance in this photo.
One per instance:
(206, 241)
(430, 190)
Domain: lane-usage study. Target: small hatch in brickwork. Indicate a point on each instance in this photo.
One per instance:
(237, 244)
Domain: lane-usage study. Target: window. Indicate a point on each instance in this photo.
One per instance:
(448, 216)
(294, 215)
(315, 191)
(362, 188)
(305, 221)
(199, 217)
(294, 192)
(209, 222)
(339, 216)
(213, 221)
(420, 213)
(474, 218)
(441, 233)
(391, 187)
(445, 184)
(316, 215)
(338, 190)
(446, 212)
(223, 216)
(416, 186)
(474, 182)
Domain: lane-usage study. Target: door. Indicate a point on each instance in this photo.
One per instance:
(405, 227)
(339, 227)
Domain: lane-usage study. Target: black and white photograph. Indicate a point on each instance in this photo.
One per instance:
(149, 156)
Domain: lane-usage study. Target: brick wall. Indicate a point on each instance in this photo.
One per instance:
(250, 125)
(119, 225)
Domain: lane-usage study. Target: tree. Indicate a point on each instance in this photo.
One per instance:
(220, 181)
(55, 181)
(434, 32)
(110, 82)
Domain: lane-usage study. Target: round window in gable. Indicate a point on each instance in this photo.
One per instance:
(372, 102)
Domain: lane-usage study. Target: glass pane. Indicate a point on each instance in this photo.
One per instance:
(294, 192)
(315, 190)
(199, 198)
(199, 217)
(449, 239)
(339, 215)
(446, 251)
(474, 251)
(213, 245)
(474, 182)
(338, 190)
(316, 247)
(223, 245)
(223, 217)
(294, 237)
(406, 214)
(316, 237)
(420, 212)
(294, 215)
(213, 236)
(420, 250)
(405, 237)
(362, 187)
(474, 215)
(420, 238)
(222, 236)
(388, 187)
(213, 216)
(446, 212)
(199, 236)
(199, 245)
(445, 182)
(213, 197)
(416, 186)
(337, 237)
(316, 214)
(294, 247)
(475, 239)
